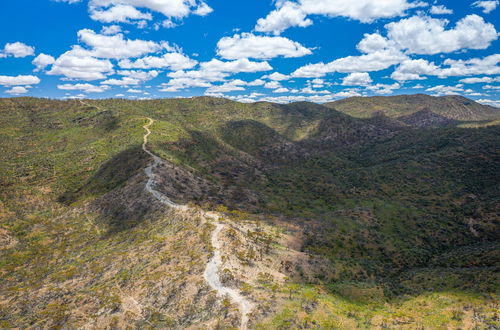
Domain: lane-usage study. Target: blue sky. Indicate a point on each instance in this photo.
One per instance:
(249, 50)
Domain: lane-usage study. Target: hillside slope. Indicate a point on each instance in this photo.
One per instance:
(452, 107)
(426, 118)
(330, 221)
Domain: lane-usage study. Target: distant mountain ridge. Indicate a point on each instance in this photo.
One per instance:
(452, 107)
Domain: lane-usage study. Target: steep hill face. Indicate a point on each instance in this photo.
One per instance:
(350, 222)
(452, 107)
(340, 130)
(426, 118)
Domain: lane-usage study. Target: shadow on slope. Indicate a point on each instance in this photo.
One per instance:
(117, 189)
(213, 172)
(338, 130)
(112, 174)
(426, 118)
(261, 141)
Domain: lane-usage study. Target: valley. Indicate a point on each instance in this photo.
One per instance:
(208, 213)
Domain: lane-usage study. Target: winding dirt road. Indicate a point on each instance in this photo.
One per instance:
(211, 273)
(212, 277)
(151, 176)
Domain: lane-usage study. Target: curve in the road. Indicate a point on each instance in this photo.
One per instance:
(157, 161)
(212, 277)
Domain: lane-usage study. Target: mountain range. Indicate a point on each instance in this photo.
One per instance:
(377, 212)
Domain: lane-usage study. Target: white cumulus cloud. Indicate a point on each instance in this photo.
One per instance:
(120, 14)
(87, 88)
(477, 80)
(127, 10)
(17, 49)
(231, 86)
(236, 66)
(474, 66)
(78, 64)
(17, 90)
(357, 79)
(487, 6)
(42, 61)
(131, 77)
(441, 10)
(375, 61)
(248, 45)
(19, 80)
(289, 13)
(414, 69)
(493, 103)
(286, 15)
(173, 61)
(272, 85)
(383, 89)
(111, 29)
(277, 76)
(440, 90)
(115, 46)
(135, 91)
(69, 1)
(426, 35)
(417, 69)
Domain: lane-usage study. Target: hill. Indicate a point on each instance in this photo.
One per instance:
(426, 118)
(328, 220)
(452, 107)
